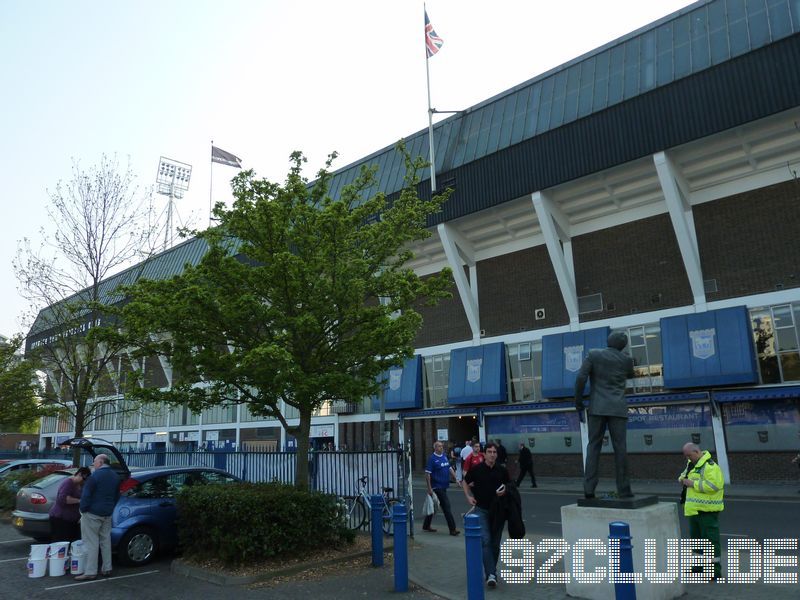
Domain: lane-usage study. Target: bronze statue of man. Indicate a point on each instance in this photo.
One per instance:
(607, 371)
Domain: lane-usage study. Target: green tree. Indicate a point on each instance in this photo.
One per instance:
(19, 388)
(99, 223)
(301, 299)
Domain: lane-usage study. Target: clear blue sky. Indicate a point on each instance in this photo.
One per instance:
(145, 78)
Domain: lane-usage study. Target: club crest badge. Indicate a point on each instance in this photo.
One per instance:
(573, 357)
(474, 369)
(703, 343)
(395, 377)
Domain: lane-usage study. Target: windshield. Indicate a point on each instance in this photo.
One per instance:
(49, 480)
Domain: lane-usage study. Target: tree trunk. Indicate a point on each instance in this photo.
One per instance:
(80, 418)
(301, 434)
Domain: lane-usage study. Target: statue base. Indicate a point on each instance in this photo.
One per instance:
(658, 522)
(636, 501)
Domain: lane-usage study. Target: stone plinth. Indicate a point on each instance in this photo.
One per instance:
(656, 521)
(635, 501)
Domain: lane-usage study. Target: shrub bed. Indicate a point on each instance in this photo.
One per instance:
(242, 523)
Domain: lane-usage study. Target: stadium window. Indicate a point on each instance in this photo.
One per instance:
(775, 333)
(436, 380)
(525, 371)
(644, 346)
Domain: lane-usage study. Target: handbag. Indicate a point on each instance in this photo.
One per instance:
(430, 507)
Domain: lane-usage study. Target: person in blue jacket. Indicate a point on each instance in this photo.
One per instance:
(438, 473)
(98, 499)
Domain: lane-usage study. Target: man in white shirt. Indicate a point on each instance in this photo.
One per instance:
(465, 452)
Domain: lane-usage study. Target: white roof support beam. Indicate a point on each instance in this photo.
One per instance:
(165, 364)
(460, 252)
(54, 381)
(678, 200)
(556, 230)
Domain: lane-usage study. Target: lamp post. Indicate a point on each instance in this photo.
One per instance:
(172, 180)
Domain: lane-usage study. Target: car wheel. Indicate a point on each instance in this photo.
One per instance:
(138, 546)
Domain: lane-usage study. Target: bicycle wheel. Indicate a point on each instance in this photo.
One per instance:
(388, 525)
(355, 511)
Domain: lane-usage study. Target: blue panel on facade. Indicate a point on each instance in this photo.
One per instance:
(562, 355)
(478, 375)
(403, 387)
(765, 393)
(710, 348)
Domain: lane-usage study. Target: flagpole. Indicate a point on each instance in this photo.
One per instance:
(430, 121)
(211, 186)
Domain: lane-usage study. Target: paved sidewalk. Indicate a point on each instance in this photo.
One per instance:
(438, 562)
(756, 489)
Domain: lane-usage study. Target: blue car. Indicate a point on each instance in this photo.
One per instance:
(144, 520)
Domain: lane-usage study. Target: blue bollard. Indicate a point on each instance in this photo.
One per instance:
(376, 522)
(622, 532)
(472, 541)
(399, 517)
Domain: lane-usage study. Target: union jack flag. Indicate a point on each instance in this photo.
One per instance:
(432, 41)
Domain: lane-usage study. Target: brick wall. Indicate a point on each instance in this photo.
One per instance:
(750, 242)
(636, 266)
(444, 323)
(512, 286)
(751, 466)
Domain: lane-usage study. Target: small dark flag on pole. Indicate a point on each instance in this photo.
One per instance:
(432, 41)
(225, 158)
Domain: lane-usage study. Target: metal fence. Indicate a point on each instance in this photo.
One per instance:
(330, 472)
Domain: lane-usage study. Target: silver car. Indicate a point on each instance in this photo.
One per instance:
(32, 464)
(33, 505)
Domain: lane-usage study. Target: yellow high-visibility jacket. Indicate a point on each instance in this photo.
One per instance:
(708, 486)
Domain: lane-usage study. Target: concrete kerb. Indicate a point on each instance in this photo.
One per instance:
(181, 567)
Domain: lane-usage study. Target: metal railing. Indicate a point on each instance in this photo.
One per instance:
(329, 472)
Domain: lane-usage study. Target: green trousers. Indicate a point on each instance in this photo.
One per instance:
(705, 526)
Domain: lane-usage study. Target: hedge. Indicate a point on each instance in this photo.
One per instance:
(241, 523)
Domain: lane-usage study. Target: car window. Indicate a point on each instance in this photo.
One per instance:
(157, 487)
(49, 480)
(214, 477)
(166, 486)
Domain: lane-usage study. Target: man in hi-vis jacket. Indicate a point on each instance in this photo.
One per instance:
(607, 371)
(705, 488)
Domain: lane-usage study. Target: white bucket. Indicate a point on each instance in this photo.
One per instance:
(58, 550)
(77, 563)
(37, 567)
(58, 566)
(39, 551)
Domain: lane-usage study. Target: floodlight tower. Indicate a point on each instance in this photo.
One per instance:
(172, 180)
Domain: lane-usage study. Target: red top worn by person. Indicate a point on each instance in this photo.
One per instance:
(473, 459)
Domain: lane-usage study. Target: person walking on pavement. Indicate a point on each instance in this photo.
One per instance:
(437, 475)
(525, 464)
(607, 371)
(98, 499)
(502, 454)
(474, 459)
(705, 486)
(481, 486)
(465, 452)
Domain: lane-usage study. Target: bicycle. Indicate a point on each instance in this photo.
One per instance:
(358, 509)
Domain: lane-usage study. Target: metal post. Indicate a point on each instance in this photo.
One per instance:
(622, 532)
(376, 522)
(472, 541)
(400, 548)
